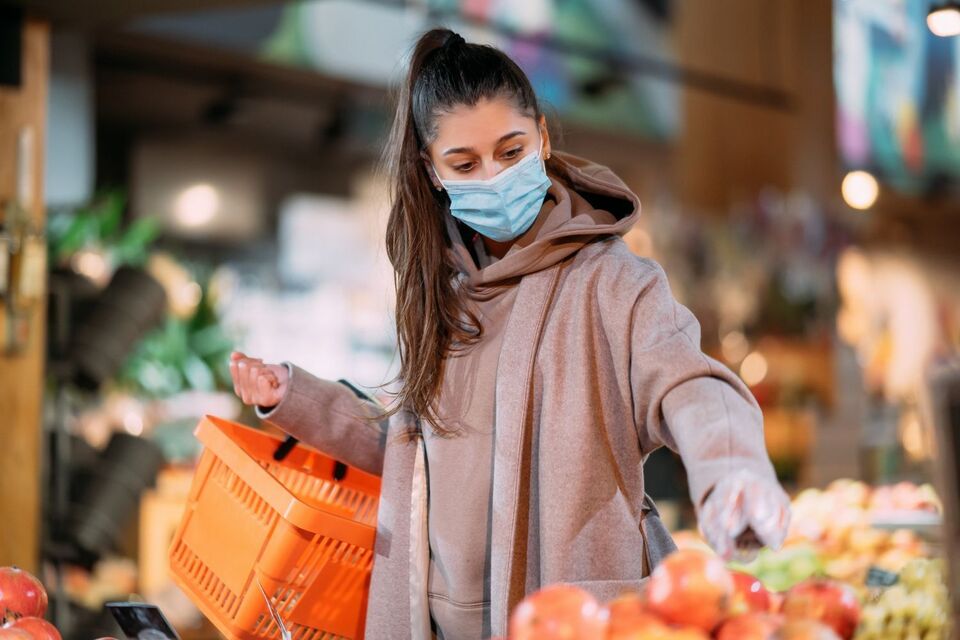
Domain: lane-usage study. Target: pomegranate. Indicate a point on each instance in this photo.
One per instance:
(749, 593)
(21, 595)
(38, 628)
(805, 630)
(629, 619)
(750, 626)
(14, 634)
(558, 612)
(691, 588)
(833, 603)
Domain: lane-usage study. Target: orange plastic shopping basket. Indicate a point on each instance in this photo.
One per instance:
(300, 527)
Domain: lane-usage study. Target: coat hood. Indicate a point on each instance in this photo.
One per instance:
(585, 201)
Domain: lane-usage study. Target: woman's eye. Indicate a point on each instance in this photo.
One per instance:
(464, 168)
(512, 153)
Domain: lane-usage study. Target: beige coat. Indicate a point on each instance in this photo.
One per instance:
(599, 367)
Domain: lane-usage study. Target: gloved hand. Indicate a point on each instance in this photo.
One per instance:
(743, 512)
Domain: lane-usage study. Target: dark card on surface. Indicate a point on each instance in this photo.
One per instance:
(141, 621)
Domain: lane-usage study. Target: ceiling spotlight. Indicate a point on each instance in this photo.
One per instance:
(944, 19)
(859, 189)
(197, 205)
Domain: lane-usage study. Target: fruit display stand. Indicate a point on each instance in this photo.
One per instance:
(834, 532)
(844, 572)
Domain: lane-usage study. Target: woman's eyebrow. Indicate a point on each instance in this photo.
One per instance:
(500, 140)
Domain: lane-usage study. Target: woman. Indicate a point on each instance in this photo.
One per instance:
(541, 361)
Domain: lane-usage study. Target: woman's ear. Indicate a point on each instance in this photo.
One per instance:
(546, 136)
(428, 166)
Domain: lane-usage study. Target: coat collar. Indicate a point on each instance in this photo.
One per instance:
(512, 442)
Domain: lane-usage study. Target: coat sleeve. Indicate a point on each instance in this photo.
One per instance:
(328, 416)
(686, 400)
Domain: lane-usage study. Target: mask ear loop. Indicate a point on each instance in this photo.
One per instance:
(425, 156)
(436, 175)
(543, 159)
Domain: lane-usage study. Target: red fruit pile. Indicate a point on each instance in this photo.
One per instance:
(691, 595)
(21, 595)
(23, 602)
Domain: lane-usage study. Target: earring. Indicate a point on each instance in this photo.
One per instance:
(548, 155)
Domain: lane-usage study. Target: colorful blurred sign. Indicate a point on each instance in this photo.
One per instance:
(898, 113)
(565, 48)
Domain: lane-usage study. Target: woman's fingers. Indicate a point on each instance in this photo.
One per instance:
(252, 376)
(235, 375)
(266, 392)
(770, 515)
(255, 382)
(244, 384)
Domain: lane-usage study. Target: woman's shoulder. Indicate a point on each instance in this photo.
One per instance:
(609, 262)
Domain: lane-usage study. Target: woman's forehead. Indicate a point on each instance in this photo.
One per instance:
(480, 126)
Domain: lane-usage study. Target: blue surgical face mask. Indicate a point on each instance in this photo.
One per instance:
(505, 206)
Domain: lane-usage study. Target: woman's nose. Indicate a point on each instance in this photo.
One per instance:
(490, 169)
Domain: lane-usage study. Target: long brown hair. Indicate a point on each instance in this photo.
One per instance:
(432, 315)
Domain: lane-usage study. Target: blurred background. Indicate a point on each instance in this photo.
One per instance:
(179, 178)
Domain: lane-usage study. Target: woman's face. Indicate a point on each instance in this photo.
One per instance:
(478, 142)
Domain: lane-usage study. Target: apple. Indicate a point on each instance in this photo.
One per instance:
(558, 612)
(749, 593)
(692, 588)
(38, 628)
(805, 630)
(14, 634)
(629, 619)
(833, 603)
(21, 595)
(750, 626)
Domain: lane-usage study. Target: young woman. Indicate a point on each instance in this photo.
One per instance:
(541, 362)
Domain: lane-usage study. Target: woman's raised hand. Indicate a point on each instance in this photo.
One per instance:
(257, 383)
(744, 512)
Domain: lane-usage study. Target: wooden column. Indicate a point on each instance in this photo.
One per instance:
(731, 148)
(21, 376)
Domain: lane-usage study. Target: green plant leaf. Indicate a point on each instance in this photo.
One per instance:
(131, 247)
(109, 213)
(81, 231)
(198, 374)
(210, 341)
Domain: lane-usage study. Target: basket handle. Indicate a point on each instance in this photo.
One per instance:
(284, 448)
(339, 469)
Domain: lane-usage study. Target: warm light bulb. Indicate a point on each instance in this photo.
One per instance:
(133, 423)
(859, 189)
(734, 346)
(945, 21)
(92, 264)
(185, 298)
(753, 369)
(197, 205)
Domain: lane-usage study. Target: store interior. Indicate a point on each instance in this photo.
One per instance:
(184, 178)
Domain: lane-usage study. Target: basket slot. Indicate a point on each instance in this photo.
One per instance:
(223, 598)
(325, 493)
(244, 494)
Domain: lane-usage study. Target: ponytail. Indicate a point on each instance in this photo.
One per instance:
(432, 314)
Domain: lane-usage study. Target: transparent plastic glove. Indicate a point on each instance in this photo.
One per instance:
(742, 513)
